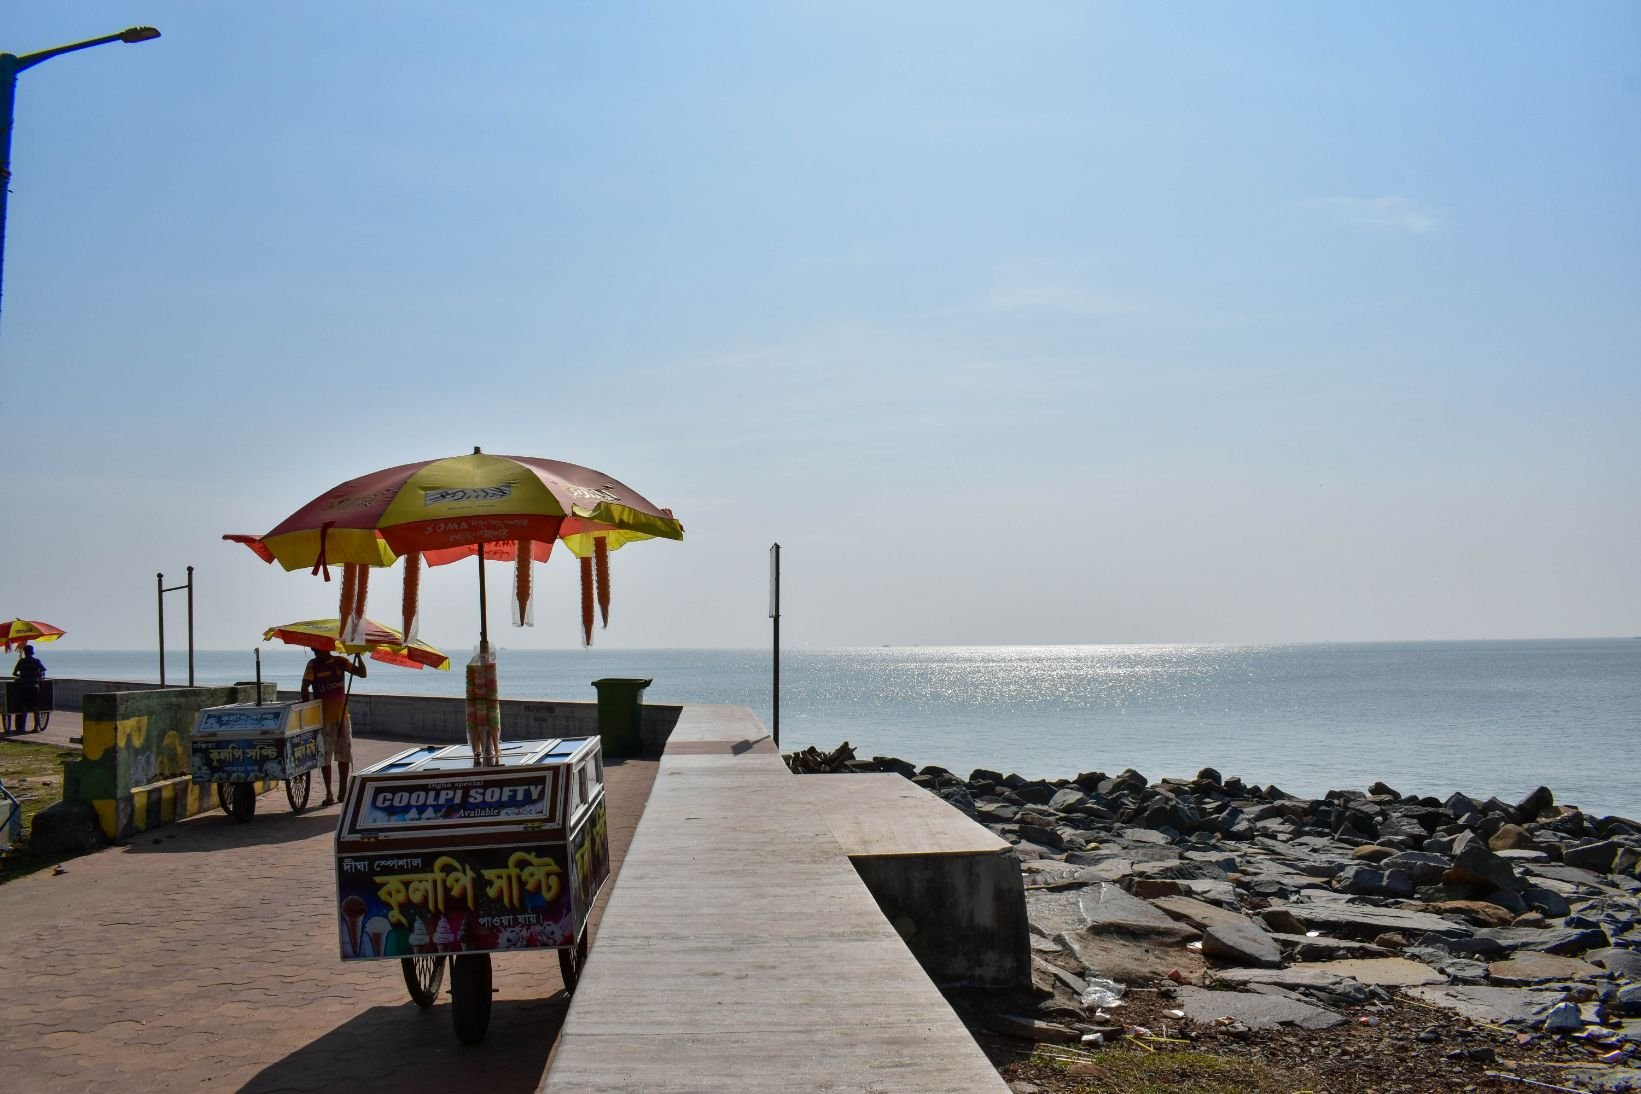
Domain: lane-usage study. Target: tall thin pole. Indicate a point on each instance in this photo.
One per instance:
(484, 614)
(159, 584)
(775, 614)
(8, 99)
(191, 627)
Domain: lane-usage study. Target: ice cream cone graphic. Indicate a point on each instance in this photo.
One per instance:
(353, 911)
(444, 939)
(420, 941)
(376, 928)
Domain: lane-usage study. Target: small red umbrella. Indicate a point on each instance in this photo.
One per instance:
(20, 632)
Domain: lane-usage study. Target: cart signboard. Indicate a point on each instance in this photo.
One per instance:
(503, 796)
(590, 854)
(461, 900)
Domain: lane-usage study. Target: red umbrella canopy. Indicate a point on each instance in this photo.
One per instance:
(442, 510)
(446, 508)
(20, 632)
(382, 642)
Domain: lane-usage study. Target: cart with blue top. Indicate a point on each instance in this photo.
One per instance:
(440, 863)
(237, 745)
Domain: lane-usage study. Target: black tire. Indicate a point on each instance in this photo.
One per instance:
(470, 996)
(423, 975)
(242, 802)
(42, 719)
(297, 790)
(222, 798)
(572, 961)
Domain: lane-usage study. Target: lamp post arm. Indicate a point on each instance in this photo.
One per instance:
(29, 60)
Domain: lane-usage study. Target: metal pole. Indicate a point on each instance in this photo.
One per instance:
(775, 614)
(484, 613)
(8, 98)
(159, 584)
(258, 676)
(191, 628)
(10, 66)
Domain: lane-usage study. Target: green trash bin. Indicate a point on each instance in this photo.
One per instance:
(620, 712)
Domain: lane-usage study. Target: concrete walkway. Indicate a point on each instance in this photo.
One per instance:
(204, 954)
(741, 952)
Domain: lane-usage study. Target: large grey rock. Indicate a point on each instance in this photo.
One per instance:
(1500, 1006)
(1366, 881)
(1301, 947)
(1422, 866)
(1340, 991)
(1102, 907)
(1620, 962)
(1474, 864)
(1396, 972)
(1243, 943)
(1530, 967)
(1558, 940)
(66, 828)
(1253, 1010)
(1367, 921)
(1597, 857)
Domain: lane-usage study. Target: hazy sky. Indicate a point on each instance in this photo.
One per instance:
(1044, 323)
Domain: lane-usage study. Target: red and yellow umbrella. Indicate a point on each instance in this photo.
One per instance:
(20, 632)
(503, 508)
(383, 643)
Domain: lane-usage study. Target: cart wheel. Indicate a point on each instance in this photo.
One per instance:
(242, 803)
(297, 789)
(470, 996)
(572, 961)
(222, 798)
(42, 718)
(423, 975)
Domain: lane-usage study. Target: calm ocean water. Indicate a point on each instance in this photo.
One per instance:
(1427, 717)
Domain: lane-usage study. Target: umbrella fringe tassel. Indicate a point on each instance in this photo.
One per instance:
(524, 607)
(587, 601)
(601, 571)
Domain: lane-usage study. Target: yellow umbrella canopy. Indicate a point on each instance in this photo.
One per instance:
(382, 642)
(20, 632)
(502, 508)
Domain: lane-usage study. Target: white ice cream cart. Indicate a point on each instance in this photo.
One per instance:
(439, 861)
(239, 744)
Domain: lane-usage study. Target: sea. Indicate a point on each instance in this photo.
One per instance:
(1429, 718)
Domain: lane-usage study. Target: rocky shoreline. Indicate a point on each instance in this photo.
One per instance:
(1243, 914)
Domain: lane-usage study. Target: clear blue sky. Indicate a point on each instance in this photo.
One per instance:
(1034, 323)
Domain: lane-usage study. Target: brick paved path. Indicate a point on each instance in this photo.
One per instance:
(205, 955)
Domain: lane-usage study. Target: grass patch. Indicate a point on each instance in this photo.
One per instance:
(1165, 1071)
(32, 772)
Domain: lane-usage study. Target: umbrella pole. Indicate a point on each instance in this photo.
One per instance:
(484, 613)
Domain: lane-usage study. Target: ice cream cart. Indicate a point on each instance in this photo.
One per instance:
(237, 745)
(440, 862)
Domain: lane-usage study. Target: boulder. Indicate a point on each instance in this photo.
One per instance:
(1597, 856)
(1529, 808)
(1335, 989)
(1558, 940)
(1241, 943)
(1399, 972)
(1421, 866)
(1253, 1010)
(1365, 881)
(1102, 907)
(66, 828)
(1512, 837)
(1474, 864)
(1522, 969)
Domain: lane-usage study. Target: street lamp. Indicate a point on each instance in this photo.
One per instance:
(10, 66)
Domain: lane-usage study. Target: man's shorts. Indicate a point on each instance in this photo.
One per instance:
(338, 740)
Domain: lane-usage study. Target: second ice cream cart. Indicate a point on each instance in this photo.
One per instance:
(440, 862)
(238, 745)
